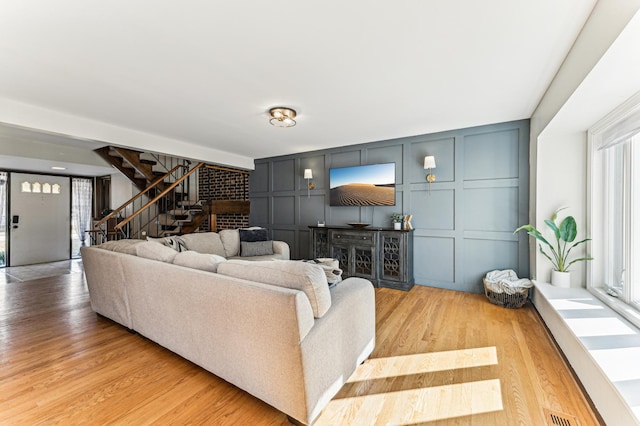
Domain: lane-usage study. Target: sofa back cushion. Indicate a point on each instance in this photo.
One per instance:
(202, 242)
(121, 246)
(231, 242)
(302, 276)
(203, 261)
(156, 251)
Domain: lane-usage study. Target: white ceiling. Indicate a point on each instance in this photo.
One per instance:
(196, 78)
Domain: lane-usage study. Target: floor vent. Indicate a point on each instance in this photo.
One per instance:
(555, 418)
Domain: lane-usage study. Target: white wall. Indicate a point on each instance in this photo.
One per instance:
(121, 191)
(604, 26)
(562, 183)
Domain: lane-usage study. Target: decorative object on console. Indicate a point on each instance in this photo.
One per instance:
(358, 224)
(308, 175)
(407, 222)
(282, 117)
(565, 233)
(430, 163)
(397, 219)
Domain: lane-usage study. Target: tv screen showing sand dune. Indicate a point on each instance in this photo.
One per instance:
(370, 185)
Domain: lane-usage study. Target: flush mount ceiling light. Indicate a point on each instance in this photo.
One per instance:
(282, 117)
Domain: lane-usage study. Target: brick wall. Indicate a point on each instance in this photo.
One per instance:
(224, 185)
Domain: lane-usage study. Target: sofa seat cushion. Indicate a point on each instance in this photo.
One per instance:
(156, 251)
(290, 274)
(121, 246)
(203, 242)
(203, 261)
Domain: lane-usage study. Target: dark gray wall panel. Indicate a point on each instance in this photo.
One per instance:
(286, 235)
(462, 230)
(311, 209)
(387, 154)
(259, 178)
(284, 175)
(343, 215)
(284, 212)
(443, 150)
(345, 158)
(434, 259)
(482, 256)
(491, 209)
(259, 213)
(433, 211)
(492, 155)
(303, 245)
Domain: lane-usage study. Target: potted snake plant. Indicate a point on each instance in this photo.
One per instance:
(558, 253)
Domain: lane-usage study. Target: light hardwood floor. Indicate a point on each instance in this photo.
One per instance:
(441, 357)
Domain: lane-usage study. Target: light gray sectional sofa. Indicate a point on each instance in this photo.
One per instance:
(272, 328)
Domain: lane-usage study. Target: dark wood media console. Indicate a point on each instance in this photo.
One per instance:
(382, 255)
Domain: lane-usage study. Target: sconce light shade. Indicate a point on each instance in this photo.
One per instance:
(308, 175)
(282, 117)
(430, 162)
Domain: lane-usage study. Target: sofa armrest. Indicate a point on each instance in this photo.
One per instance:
(338, 342)
(281, 248)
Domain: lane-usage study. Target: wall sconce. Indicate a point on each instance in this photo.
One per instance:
(430, 163)
(308, 175)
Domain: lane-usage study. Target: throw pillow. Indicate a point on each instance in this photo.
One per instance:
(331, 268)
(170, 242)
(203, 261)
(253, 235)
(202, 242)
(285, 273)
(156, 251)
(258, 248)
(231, 242)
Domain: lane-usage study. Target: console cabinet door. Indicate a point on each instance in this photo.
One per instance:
(393, 253)
(364, 262)
(319, 243)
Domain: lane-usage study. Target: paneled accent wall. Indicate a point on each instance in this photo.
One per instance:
(463, 225)
(214, 184)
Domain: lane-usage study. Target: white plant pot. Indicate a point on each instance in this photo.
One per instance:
(561, 279)
(397, 225)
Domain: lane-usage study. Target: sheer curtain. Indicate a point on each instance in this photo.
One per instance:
(3, 217)
(81, 196)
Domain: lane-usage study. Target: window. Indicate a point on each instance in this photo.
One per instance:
(615, 210)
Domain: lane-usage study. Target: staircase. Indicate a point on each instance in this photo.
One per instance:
(166, 204)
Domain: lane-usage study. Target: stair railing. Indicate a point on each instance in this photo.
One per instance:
(124, 224)
(100, 233)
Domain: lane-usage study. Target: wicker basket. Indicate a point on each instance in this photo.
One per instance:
(516, 300)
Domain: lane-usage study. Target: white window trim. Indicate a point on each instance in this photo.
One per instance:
(601, 134)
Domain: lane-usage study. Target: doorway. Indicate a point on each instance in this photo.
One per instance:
(39, 219)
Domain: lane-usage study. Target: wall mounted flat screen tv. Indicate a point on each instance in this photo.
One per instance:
(370, 185)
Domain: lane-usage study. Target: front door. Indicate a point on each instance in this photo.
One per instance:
(39, 219)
